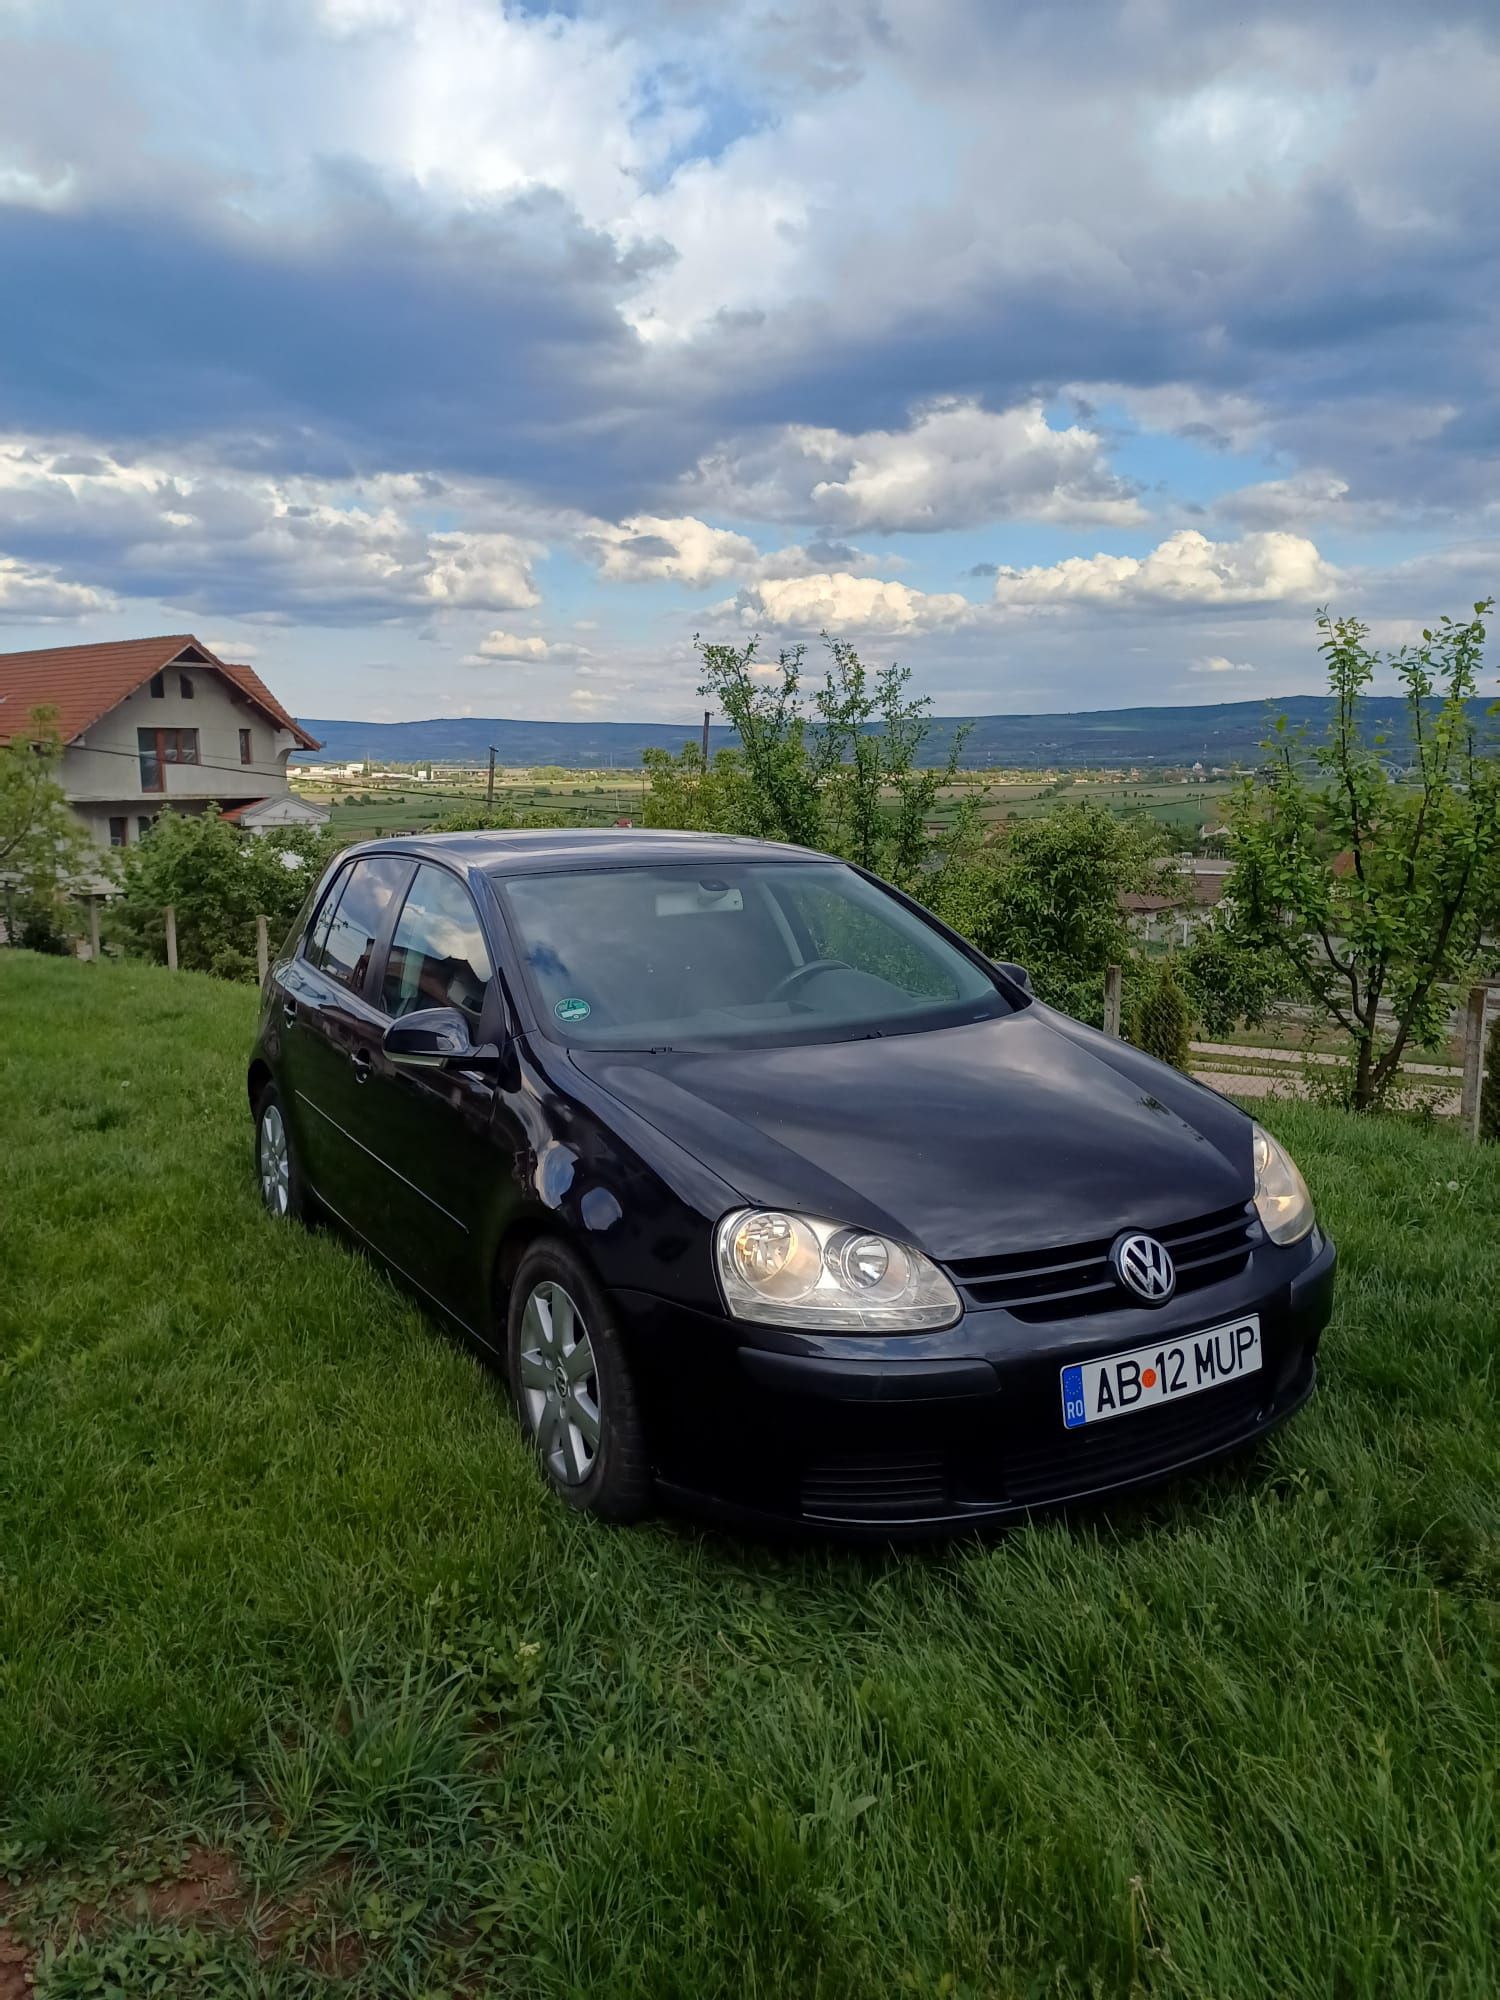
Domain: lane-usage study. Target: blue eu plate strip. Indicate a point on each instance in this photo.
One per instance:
(1075, 1410)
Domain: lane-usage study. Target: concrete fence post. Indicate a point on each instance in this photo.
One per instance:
(1473, 1090)
(262, 949)
(171, 938)
(94, 929)
(1113, 981)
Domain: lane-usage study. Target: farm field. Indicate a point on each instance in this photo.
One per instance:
(306, 1686)
(363, 809)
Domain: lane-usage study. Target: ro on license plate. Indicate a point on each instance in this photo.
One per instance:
(1118, 1384)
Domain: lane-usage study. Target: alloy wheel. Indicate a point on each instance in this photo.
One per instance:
(560, 1383)
(274, 1160)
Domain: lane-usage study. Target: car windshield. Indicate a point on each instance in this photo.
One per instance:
(735, 954)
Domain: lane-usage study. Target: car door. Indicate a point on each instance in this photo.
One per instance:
(434, 1129)
(334, 1042)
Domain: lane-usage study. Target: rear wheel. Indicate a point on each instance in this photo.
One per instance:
(573, 1387)
(277, 1173)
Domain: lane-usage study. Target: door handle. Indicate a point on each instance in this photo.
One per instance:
(289, 1012)
(362, 1065)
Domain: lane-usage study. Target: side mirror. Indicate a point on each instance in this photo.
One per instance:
(437, 1038)
(1016, 974)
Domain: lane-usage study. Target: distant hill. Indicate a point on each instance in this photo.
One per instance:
(1228, 732)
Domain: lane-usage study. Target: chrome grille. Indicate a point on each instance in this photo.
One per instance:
(1076, 1279)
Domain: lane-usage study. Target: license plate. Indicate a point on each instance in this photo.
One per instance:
(1117, 1385)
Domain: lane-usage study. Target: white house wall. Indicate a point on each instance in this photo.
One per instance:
(101, 772)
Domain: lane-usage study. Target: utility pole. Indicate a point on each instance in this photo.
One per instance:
(706, 714)
(489, 790)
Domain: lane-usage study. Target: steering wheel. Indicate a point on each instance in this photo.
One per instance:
(785, 987)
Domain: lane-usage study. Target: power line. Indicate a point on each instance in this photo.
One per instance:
(197, 763)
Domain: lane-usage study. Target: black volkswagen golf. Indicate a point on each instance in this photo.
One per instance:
(770, 1192)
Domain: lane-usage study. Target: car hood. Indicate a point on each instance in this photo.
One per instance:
(1027, 1130)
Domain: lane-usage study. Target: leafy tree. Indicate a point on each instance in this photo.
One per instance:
(1371, 890)
(777, 797)
(218, 880)
(1229, 982)
(841, 774)
(44, 851)
(1161, 1016)
(1047, 895)
(877, 801)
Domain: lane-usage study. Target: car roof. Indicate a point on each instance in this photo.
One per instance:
(522, 850)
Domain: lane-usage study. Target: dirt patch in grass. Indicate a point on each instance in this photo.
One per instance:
(208, 1885)
(16, 1961)
(205, 1893)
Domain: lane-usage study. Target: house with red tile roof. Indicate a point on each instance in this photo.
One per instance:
(154, 723)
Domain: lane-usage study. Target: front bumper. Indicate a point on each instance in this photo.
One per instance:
(922, 1432)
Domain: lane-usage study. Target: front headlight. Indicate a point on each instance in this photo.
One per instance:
(796, 1270)
(1281, 1197)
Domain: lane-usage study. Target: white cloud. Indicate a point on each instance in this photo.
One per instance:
(649, 548)
(242, 545)
(1216, 663)
(489, 571)
(955, 465)
(842, 603)
(41, 593)
(1186, 570)
(527, 648)
(1232, 133)
(1225, 420)
(1293, 503)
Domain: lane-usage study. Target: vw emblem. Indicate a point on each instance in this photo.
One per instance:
(1145, 1267)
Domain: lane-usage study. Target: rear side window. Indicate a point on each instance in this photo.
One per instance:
(437, 956)
(342, 948)
(319, 934)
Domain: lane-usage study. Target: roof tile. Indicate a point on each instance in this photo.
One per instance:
(84, 682)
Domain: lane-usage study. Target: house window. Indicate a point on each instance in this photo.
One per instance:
(160, 747)
(119, 830)
(244, 746)
(143, 825)
(186, 685)
(158, 687)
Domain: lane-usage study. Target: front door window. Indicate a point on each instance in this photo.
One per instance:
(437, 956)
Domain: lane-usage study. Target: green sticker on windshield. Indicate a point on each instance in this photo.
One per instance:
(572, 1010)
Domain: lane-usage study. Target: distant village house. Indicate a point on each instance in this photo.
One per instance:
(149, 723)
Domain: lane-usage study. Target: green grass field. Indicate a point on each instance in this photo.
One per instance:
(364, 811)
(306, 1687)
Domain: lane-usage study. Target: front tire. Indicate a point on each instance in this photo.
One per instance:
(283, 1192)
(573, 1388)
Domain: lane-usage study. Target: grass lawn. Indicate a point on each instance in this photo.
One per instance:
(306, 1687)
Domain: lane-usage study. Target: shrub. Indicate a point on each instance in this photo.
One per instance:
(1489, 1103)
(1161, 1022)
(44, 851)
(218, 880)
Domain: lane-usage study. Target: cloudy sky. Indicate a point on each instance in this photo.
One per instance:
(449, 356)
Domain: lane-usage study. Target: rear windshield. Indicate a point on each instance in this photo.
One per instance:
(742, 954)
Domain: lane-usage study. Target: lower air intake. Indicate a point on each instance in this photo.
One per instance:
(900, 1486)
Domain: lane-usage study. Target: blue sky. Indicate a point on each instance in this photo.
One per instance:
(447, 356)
